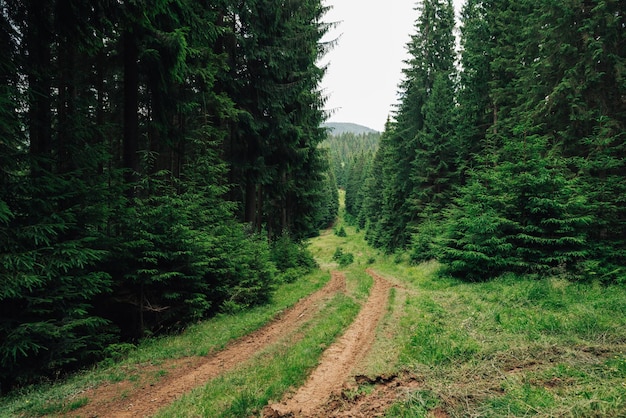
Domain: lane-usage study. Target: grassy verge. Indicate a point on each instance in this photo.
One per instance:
(127, 363)
(512, 347)
(246, 390)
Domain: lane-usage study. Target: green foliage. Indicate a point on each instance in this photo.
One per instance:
(240, 271)
(344, 259)
(415, 166)
(273, 151)
(120, 177)
(49, 279)
(340, 232)
(426, 242)
(516, 163)
(292, 259)
(345, 148)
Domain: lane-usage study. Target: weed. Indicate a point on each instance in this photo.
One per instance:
(344, 259)
(418, 404)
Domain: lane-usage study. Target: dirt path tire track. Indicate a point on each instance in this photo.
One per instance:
(188, 373)
(339, 360)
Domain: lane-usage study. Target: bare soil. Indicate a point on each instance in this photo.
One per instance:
(338, 361)
(331, 390)
(149, 389)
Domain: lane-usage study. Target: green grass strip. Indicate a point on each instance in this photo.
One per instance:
(197, 340)
(245, 391)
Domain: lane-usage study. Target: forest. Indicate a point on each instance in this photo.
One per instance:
(159, 164)
(507, 157)
(164, 161)
(347, 151)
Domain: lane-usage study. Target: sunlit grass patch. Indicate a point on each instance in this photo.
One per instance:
(514, 346)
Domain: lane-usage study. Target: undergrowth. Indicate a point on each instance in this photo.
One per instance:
(511, 347)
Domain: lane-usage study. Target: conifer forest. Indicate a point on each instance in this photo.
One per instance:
(163, 161)
(508, 157)
(159, 164)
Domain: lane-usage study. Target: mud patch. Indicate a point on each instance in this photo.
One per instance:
(364, 397)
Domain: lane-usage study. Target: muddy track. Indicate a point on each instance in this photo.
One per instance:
(127, 399)
(338, 361)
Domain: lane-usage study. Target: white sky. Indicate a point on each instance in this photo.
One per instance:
(365, 67)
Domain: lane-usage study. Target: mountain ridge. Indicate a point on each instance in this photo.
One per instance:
(338, 128)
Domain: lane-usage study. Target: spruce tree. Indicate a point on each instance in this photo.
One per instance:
(418, 166)
(280, 117)
(538, 217)
(582, 107)
(475, 108)
(55, 196)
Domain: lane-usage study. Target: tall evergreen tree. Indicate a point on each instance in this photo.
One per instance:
(475, 108)
(280, 111)
(373, 189)
(421, 148)
(115, 119)
(540, 218)
(582, 106)
(56, 193)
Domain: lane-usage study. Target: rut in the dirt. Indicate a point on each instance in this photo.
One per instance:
(339, 360)
(124, 400)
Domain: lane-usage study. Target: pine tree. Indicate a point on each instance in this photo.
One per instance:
(411, 177)
(373, 189)
(49, 252)
(582, 65)
(537, 219)
(120, 123)
(280, 105)
(475, 108)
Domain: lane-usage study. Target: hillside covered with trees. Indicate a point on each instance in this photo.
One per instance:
(510, 156)
(348, 151)
(159, 163)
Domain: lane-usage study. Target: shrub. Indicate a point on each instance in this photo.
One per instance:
(344, 259)
(341, 232)
(288, 254)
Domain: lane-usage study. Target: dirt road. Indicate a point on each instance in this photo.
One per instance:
(127, 399)
(123, 399)
(339, 359)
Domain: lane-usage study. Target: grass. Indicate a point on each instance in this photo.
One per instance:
(512, 347)
(197, 340)
(244, 391)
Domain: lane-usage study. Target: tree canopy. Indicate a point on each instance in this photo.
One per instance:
(511, 161)
(159, 159)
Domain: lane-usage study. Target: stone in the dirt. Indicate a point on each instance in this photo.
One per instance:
(269, 412)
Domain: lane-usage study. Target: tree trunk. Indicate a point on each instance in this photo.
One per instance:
(39, 81)
(131, 110)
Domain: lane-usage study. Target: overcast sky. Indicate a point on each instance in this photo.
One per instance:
(365, 67)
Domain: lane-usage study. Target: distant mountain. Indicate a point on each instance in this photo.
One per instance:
(338, 128)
